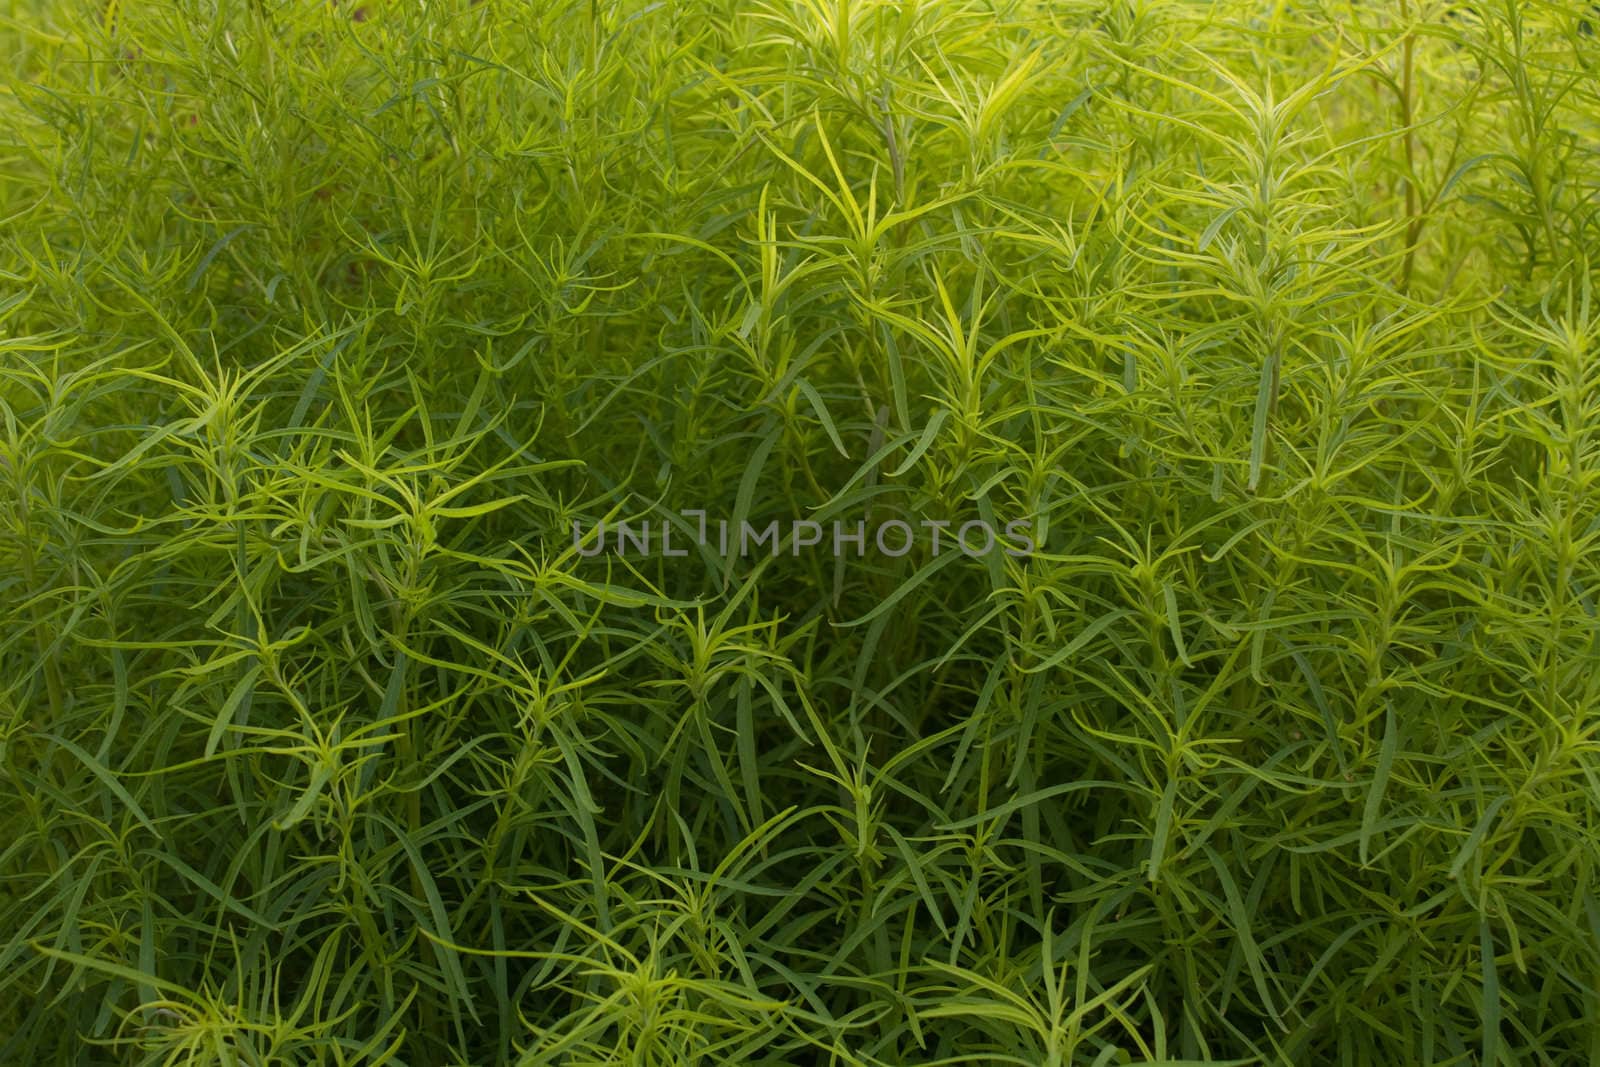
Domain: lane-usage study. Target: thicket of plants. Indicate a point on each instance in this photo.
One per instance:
(321, 742)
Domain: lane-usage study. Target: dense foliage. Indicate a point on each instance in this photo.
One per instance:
(322, 323)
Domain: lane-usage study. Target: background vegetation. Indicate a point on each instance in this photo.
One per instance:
(322, 322)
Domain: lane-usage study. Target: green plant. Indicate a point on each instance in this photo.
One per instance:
(322, 742)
